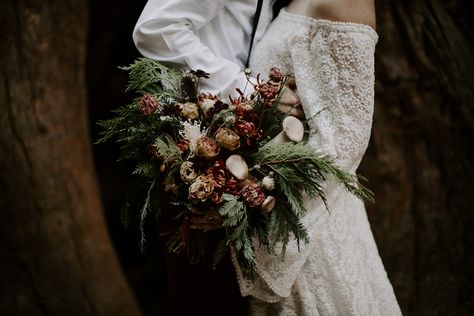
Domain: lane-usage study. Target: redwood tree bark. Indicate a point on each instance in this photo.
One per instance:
(420, 158)
(56, 255)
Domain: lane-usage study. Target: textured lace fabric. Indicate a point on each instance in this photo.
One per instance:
(339, 272)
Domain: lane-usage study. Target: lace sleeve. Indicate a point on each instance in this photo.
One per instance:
(333, 64)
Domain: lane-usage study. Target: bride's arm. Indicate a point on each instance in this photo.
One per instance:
(355, 11)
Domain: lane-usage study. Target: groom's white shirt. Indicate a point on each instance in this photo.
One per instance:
(212, 35)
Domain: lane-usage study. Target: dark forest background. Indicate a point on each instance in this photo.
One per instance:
(63, 250)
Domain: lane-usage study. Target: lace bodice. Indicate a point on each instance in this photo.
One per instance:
(339, 272)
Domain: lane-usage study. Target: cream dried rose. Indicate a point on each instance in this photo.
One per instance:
(207, 147)
(187, 172)
(189, 110)
(201, 189)
(227, 138)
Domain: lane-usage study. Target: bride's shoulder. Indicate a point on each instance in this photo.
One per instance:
(354, 11)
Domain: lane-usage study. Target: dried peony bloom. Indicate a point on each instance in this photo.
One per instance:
(232, 186)
(201, 189)
(189, 111)
(187, 172)
(275, 75)
(252, 194)
(227, 138)
(148, 104)
(218, 174)
(207, 147)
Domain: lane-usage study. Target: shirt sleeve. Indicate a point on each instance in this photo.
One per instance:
(166, 30)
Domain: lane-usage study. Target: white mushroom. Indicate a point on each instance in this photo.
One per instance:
(268, 204)
(293, 130)
(237, 166)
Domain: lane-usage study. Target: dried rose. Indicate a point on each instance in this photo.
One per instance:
(207, 147)
(187, 172)
(218, 174)
(148, 104)
(275, 75)
(253, 194)
(232, 186)
(245, 128)
(189, 111)
(227, 138)
(171, 109)
(201, 189)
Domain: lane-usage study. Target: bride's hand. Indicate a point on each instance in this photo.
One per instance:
(290, 102)
(209, 221)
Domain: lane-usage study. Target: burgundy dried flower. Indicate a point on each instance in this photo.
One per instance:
(245, 128)
(171, 109)
(148, 104)
(252, 194)
(218, 174)
(232, 185)
(267, 90)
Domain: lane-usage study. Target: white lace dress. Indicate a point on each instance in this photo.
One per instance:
(340, 271)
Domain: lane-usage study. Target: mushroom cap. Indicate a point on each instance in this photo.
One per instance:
(293, 128)
(268, 204)
(237, 166)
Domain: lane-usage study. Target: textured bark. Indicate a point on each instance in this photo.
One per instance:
(419, 161)
(56, 255)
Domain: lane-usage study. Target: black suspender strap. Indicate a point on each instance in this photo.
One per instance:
(254, 30)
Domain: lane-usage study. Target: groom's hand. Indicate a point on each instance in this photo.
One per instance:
(290, 102)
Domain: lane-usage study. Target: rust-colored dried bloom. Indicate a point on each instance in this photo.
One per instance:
(275, 75)
(232, 186)
(227, 138)
(148, 104)
(267, 90)
(189, 111)
(218, 174)
(207, 147)
(252, 194)
(245, 128)
(201, 189)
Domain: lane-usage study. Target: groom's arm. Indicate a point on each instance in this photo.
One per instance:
(165, 32)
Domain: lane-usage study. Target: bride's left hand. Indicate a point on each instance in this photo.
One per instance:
(290, 102)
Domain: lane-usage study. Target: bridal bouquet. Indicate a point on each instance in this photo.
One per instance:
(243, 161)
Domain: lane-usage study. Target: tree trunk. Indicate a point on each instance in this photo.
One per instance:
(56, 255)
(419, 161)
